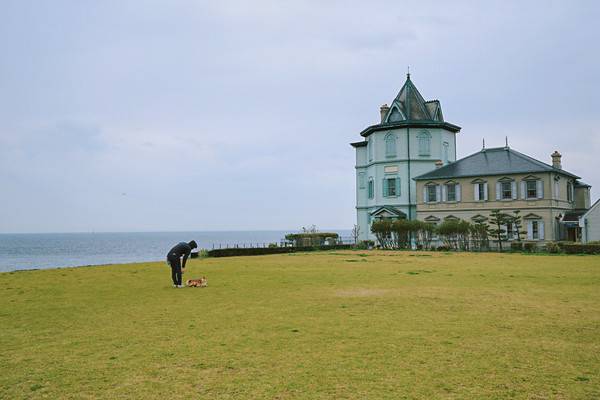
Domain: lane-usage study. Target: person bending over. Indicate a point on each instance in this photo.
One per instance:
(174, 259)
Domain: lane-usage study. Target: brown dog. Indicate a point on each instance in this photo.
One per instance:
(202, 282)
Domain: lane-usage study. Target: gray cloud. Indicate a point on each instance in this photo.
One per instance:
(238, 115)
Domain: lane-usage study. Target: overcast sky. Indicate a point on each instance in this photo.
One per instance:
(196, 115)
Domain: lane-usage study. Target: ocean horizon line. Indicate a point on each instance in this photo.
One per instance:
(170, 231)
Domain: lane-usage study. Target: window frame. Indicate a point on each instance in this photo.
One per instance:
(570, 192)
(371, 188)
(446, 152)
(424, 140)
(527, 189)
(361, 181)
(390, 145)
(535, 229)
(481, 191)
(448, 186)
(503, 191)
(429, 191)
(391, 180)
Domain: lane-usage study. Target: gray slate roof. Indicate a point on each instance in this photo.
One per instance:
(494, 161)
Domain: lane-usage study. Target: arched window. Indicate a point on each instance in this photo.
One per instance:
(371, 188)
(424, 143)
(390, 145)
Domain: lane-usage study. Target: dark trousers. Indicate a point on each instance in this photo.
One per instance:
(175, 264)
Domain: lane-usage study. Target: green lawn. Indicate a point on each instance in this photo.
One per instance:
(330, 325)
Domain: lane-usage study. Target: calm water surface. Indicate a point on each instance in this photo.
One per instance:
(28, 251)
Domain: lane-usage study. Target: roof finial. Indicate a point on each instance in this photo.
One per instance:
(506, 140)
(408, 72)
(483, 148)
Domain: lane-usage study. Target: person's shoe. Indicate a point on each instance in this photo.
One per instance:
(175, 286)
(180, 286)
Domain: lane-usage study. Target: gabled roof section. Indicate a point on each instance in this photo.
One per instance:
(495, 161)
(390, 210)
(409, 105)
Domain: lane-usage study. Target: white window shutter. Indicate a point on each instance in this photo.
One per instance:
(437, 193)
(425, 194)
(540, 189)
(385, 187)
(498, 188)
(458, 192)
(398, 187)
(444, 193)
(513, 189)
(523, 190)
(485, 191)
(476, 191)
(529, 230)
(541, 229)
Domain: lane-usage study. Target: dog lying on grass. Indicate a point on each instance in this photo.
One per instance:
(202, 282)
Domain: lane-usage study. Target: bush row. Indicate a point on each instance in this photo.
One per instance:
(257, 251)
(575, 248)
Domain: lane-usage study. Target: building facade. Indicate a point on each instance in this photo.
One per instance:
(590, 224)
(407, 142)
(550, 199)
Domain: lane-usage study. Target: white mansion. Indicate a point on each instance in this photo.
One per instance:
(411, 137)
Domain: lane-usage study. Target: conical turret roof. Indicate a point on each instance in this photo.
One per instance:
(409, 105)
(409, 110)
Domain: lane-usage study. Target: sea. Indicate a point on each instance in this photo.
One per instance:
(55, 250)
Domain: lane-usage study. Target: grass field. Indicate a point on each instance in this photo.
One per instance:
(343, 325)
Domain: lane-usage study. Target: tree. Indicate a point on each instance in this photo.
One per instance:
(427, 231)
(517, 223)
(382, 229)
(464, 234)
(498, 220)
(400, 233)
(449, 231)
(310, 229)
(479, 234)
(355, 233)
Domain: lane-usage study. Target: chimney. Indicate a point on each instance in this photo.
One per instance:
(438, 164)
(556, 160)
(383, 110)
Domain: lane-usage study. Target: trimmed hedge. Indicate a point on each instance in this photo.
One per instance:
(573, 248)
(259, 251)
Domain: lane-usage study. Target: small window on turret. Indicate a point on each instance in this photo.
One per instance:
(390, 145)
(424, 143)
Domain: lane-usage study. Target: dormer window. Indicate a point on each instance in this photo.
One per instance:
(395, 115)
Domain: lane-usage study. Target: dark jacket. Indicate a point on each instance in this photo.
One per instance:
(179, 250)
